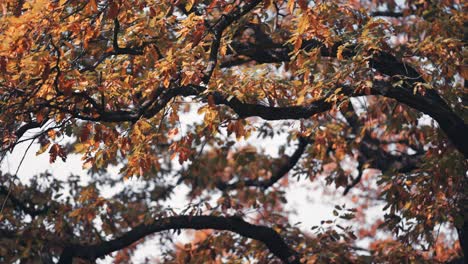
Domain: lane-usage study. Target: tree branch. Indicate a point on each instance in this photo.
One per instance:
(266, 235)
(22, 206)
(24, 128)
(387, 14)
(430, 103)
(115, 43)
(218, 29)
(280, 173)
(372, 154)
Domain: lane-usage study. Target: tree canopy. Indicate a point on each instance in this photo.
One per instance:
(368, 97)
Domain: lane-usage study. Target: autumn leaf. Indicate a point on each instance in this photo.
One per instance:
(93, 5)
(57, 151)
(219, 115)
(43, 148)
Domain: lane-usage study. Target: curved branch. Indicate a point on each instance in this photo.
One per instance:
(280, 173)
(24, 128)
(430, 103)
(266, 235)
(224, 22)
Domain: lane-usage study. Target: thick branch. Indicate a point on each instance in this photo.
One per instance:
(20, 132)
(430, 103)
(266, 235)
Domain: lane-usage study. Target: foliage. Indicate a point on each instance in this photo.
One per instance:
(119, 84)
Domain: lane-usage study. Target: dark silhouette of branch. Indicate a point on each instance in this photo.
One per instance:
(280, 173)
(17, 203)
(460, 260)
(387, 14)
(429, 103)
(356, 180)
(224, 22)
(4, 233)
(266, 235)
(371, 153)
(20, 131)
(115, 43)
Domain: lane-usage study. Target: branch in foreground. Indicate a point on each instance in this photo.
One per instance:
(429, 103)
(266, 235)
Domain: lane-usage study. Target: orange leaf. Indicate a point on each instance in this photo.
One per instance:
(298, 44)
(93, 5)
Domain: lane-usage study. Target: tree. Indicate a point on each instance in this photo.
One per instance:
(116, 82)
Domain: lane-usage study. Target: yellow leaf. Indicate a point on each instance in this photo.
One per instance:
(291, 6)
(166, 82)
(43, 149)
(75, 212)
(339, 53)
(407, 206)
(303, 24)
(300, 99)
(189, 5)
(80, 147)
